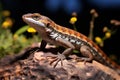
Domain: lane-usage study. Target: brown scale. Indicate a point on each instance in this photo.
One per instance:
(71, 32)
(63, 29)
(66, 31)
(58, 28)
(77, 34)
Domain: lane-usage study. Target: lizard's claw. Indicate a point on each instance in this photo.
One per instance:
(59, 57)
(56, 59)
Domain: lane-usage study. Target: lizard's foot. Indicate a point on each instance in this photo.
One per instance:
(56, 59)
(83, 59)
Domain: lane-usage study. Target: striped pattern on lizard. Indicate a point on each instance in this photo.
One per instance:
(53, 33)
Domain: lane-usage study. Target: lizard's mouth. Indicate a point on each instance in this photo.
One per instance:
(32, 22)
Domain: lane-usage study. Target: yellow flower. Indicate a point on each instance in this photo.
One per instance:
(7, 23)
(31, 30)
(107, 34)
(98, 39)
(15, 36)
(6, 13)
(73, 20)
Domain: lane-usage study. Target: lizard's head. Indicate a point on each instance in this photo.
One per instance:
(37, 21)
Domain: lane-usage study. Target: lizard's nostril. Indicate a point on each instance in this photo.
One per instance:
(26, 15)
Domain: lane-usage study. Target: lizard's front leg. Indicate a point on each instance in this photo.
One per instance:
(70, 47)
(86, 51)
(43, 45)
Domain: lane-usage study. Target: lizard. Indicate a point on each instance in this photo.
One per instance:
(53, 33)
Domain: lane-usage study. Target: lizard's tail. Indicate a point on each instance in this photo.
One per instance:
(115, 66)
(108, 62)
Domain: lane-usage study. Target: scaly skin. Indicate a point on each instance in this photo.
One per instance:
(55, 34)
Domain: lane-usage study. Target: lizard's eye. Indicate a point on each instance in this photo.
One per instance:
(36, 18)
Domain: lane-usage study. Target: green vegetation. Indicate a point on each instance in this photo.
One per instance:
(12, 43)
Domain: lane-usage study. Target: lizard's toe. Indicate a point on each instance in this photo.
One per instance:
(59, 57)
(56, 59)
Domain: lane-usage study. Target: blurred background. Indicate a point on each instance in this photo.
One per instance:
(61, 11)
